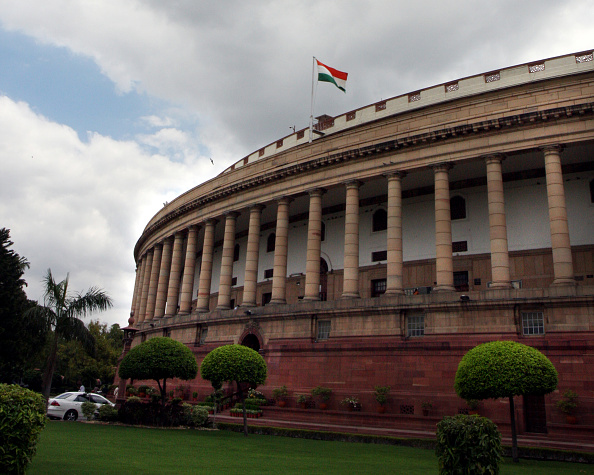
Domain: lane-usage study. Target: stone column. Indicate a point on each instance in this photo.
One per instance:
(562, 259)
(394, 234)
(224, 301)
(185, 305)
(444, 265)
(314, 246)
(161, 299)
(497, 225)
(135, 292)
(145, 285)
(251, 257)
(281, 245)
(154, 281)
(141, 269)
(350, 287)
(175, 274)
(203, 303)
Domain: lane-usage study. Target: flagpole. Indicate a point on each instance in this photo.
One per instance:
(313, 75)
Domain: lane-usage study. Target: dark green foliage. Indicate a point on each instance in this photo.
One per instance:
(136, 412)
(199, 416)
(503, 369)
(22, 417)
(468, 445)
(159, 359)
(107, 413)
(234, 363)
(88, 409)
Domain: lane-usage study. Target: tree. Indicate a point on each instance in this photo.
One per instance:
(61, 314)
(159, 359)
(20, 341)
(505, 369)
(234, 363)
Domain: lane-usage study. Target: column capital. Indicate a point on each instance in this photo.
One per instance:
(231, 214)
(442, 167)
(493, 157)
(284, 200)
(316, 191)
(210, 222)
(258, 207)
(353, 184)
(158, 244)
(553, 148)
(195, 226)
(394, 174)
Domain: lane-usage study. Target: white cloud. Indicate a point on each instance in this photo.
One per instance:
(80, 207)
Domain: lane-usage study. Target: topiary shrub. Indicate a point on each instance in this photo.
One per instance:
(22, 417)
(88, 409)
(199, 416)
(107, 413)
(468, 444)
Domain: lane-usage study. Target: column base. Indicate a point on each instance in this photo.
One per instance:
(203, 310)
(277, 302)
(223, 307)
(500, 285)
(352, 295)
(564, 281)
(310, 299)
(248, 304)
(394, 292)
(443, 288)
(181, 314)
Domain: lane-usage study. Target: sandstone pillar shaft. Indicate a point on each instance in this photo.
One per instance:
(224, 301)
(175, 274)
(134, 294)
(154, 281)
(161, 299)
(185, 305)
(444, 265)
(314, 246)
(251, 257)
(281, 246)
(394, 267)
(141, 269)
(145, 285)
(500, 276)
(561, 247)
(203, 304)
(351, 242)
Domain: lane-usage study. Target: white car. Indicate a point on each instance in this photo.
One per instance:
(67, 406)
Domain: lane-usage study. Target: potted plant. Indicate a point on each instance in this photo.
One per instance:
(381, 396)
(352, 403)
(473, 405)
(195, 395)
(280, 395)
(426, 407)
(324, 395)
(142, 390)
(130, 390)
(567, 405)
(302, 400)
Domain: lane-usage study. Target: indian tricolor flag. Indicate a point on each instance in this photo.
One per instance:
(328, 74)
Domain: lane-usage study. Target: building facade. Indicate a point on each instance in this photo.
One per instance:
(405, 233)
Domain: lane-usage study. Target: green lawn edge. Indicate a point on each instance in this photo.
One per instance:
(534, 453)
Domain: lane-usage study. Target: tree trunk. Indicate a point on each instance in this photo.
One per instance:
(48, 375)
(512, 414)
(240, 391)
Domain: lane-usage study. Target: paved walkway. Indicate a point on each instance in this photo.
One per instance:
(530, 440)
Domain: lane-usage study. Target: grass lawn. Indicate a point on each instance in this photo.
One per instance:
(74, 447)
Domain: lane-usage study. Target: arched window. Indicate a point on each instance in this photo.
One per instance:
(271, 242)
(457, 207)
(323, 231)
(379, 220)
(236, 253)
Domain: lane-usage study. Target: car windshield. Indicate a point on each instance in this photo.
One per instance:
(63, 396)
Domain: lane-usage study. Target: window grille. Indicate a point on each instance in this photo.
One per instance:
(532, 323)
(378, 287)
(203, 335)
(323, 329)
(407, 409)
(415, 325)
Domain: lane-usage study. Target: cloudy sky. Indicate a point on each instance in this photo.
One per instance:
(109, 108)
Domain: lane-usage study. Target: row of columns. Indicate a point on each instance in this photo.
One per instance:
(159, 272)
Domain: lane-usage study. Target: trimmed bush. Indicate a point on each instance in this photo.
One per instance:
(468, 444)
(107, 413)
(88, 409)
(22, 417)
(199, 416)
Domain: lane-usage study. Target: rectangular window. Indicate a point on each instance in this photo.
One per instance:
(323, 329)
(234, 281)
(532, 323)
(167, 332)
(378, 287)
(203, 335)
(459, 246)
(266, 298)
(415, 325)
(461, 281)
(268, 273)
(379, 256)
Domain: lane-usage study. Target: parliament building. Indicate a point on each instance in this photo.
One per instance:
(402, 235)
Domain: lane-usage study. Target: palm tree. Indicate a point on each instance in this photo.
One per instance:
(61, 313)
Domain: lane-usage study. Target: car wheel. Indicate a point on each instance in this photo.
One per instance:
(71, 415)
